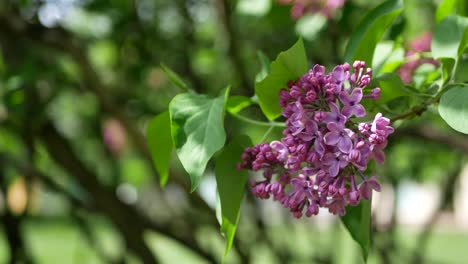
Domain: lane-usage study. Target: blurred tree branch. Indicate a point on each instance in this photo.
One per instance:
(454, 140)
(188, 43)
(121, 214)
(129, 221)
(12, 226)
(61, 40)
(223, 8)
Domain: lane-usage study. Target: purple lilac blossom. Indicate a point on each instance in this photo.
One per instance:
(301, 7)
(321, 160)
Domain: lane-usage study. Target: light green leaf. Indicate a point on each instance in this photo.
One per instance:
(257, 8)
(464, 43)
(391, 87)
(175, 78)
(289, 65)
(231, 185)
(388, 56)
(454, 109)
(447, 37)
(370, 30)
(197, 124)
(235, 104)
(265, 66)
(159, 139)
(358, 223)
(309, 26)
(445, 8)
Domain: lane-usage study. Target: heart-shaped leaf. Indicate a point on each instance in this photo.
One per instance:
(289, 65)
(454, 109)
(197, 124)
(448, 35)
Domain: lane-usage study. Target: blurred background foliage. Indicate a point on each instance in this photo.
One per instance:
(80, 79)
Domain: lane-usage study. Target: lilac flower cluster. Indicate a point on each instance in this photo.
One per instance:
(321, 159)
(301, 7)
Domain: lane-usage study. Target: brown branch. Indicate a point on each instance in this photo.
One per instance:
(415, 111)
(454, 140)
(12, 227)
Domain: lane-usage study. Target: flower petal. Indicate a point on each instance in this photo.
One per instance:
(345, 144)
(359, 110)
(356, 95)
(332, 138)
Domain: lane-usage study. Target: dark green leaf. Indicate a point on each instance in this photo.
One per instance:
(461, 75)
(370, 30)
(236, 103)
(447, 37)
(231, 184)
(158, 136)
(197, 130)
(358, 223)
(454, 109)
(391, 87)
(289, 65)
(175, 78)
(447, 69)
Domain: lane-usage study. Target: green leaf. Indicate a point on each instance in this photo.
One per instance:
(265, 66)
(358, 223)
(391, 87)
(447, 37)
(160, 144)
(370, 30)
(197, 124)
(231, 185)
(388, 56)
(289, 65)
(447, 69)
(454, 109)
(461, 74)
(464, 43)
(175, 78)
(445, 8)
(236, 103)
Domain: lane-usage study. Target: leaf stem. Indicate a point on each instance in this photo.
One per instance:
(267, 133)
(417, 110)
(256, 122)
